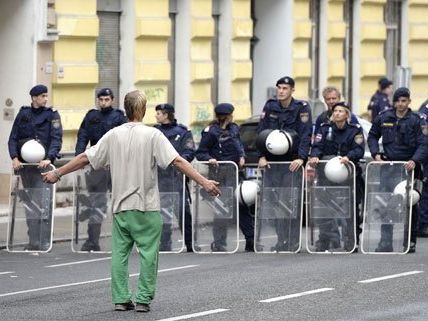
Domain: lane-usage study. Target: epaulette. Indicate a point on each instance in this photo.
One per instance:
(354, 125)
(118, 110)
(182, 126)
(207, 129)
(25, 107)
(325, 124)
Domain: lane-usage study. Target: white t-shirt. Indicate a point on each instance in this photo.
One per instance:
(133, 152)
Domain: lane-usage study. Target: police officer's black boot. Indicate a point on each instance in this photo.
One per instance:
(385, 243)
(92, 243)
(33, 235)
(165, 242)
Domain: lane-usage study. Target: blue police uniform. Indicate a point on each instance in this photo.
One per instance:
(378, 103)
(95, 124)
(347, 141)
(423, 203)
(44, 125)
(182, 139)
(297, 116)
(225, 145)
(402, 140)
(324, 117)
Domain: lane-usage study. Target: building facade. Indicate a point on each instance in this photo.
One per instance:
(196, 53)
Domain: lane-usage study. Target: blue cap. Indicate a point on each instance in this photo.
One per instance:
(224, 109)
(38, 90)
(341, 104)
(401, 92)
(285, 81)
(105, 92)
(384, 83)
(165, 107)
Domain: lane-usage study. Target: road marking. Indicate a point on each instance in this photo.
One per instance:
(78, 262)
(296, 295)
(9, 272)
(393, 276)
(88, 282)
(195, 315)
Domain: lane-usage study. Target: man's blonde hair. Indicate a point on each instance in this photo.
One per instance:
(330, 89)
(135, 105)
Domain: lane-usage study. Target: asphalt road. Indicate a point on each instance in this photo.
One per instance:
(244, 286)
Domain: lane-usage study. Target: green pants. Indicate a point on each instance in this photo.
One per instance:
(143, 228)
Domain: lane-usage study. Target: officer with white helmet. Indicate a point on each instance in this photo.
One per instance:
(344, 140)
(404, 138)
(286, 117)
(36, 137)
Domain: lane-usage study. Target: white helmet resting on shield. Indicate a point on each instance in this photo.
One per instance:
(32, 151)
(400, 189)
(276, 142)
(335, 171)
(247, 192)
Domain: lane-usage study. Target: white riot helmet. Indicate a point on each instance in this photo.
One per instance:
(335, 171)
(275, 142)
(400, 189)
(32, 151)
(247, 192)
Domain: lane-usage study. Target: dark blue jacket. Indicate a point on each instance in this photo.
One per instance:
(96, 123)
(180, 137)
(324, 117)
(402, 139)
(378, 103)
(43, 124)
(297, 117)
(347, 141)
(220, 144)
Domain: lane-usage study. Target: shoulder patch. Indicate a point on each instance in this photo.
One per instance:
(359, 139)
(304, 117)
(182, 126)
(207, 129)
(424, 129)
(318, 137)
(56, 123)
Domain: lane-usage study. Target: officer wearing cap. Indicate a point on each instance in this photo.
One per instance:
(182, 139)
(339, 137)
(221, 141)
(44, 125)
(380, 100)
(423, 204)
(286, 112)
(403, 139)
(331, 97)
(95, 124)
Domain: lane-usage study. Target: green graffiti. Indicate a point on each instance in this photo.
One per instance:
(155, 94)
(202, 113)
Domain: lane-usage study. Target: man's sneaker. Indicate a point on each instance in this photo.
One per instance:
(384, 246)
(124, 306)
(142, 307)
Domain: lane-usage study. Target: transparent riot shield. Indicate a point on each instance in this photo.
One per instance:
(330, 211)
(279, 209)
(215, 220)
(92, 214)
(387, 211)
(30, 223)
(172, 193)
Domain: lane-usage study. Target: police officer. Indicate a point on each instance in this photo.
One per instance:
(403, 139)
(286, 112)
(96, 123)
(423, 204)
(182, 139)
(221, 141)
(339, 138)
(380, 100)
(44, 125)
(331, 97)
